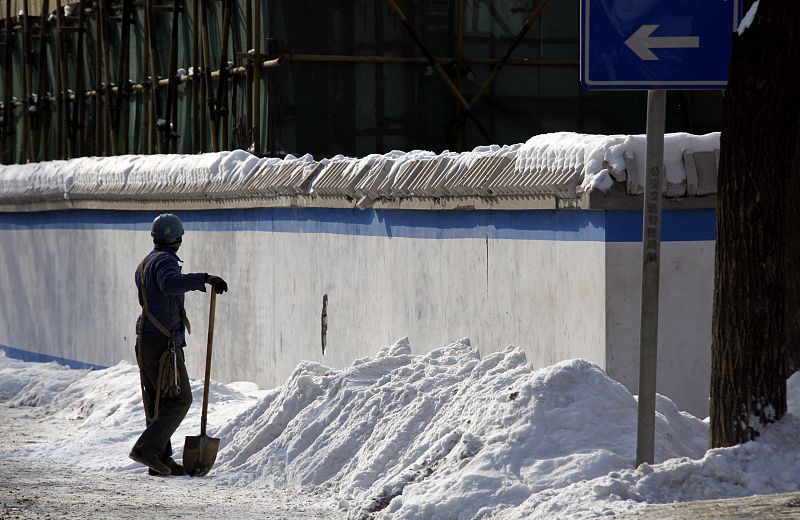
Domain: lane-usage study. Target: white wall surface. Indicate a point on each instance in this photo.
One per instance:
(70, 293)
(684, 321)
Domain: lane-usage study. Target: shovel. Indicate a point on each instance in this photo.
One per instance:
(200, 452)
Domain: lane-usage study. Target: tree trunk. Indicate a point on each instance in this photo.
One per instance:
(754, 297)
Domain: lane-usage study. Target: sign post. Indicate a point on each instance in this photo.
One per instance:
(654, 46)
(651, 266)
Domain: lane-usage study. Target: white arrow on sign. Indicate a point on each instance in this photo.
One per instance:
(641, 42)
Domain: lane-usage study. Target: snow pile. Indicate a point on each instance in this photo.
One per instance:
(447, 434)
(106, 409)
(33, 384)
(420, 436)
(771, 464)
(560, 164)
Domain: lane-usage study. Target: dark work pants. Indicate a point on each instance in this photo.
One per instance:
(171, 411)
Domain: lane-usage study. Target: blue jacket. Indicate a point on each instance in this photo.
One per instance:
(165, 286)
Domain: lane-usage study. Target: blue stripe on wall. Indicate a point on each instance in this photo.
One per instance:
(565, 225)
(26, 355)
(676, 226)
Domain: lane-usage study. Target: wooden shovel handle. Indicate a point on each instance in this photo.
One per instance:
(208, 360)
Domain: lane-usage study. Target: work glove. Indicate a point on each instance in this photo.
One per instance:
(219, 285)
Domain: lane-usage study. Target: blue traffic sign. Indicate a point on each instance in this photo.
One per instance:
(657, 44)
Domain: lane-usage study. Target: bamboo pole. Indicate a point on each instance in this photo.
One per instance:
(170, 134)
(461, 20)
(79, 117)
(197, 111)
(202, 101)
(379, 34)
(105, 44)
(209, 87)
(333, 58)
(27, 130)
(337, 58)
(62, 101)
(147, 143)
(41, 76)
(99, 146)
(153, 76)
(174, 115)
(257, 81)
(8, 110)
(272, 119)
(123, 106)
(248, 45)
(222, 84)
(141, 87)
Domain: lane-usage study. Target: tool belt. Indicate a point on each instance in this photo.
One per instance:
(168, 383)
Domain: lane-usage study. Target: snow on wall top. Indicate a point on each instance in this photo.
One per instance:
(561, 165)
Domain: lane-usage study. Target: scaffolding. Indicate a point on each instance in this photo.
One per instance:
(112, 77)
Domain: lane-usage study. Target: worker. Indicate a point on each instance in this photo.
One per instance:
(160, 330)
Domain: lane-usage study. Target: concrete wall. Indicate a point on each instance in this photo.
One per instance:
(684, 333)
(558, 283)
(534, 279)
(686, 289)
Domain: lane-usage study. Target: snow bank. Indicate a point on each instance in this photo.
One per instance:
(560, 164)
(33, 384)
(422, 436)
(447, 434)
(106, 409)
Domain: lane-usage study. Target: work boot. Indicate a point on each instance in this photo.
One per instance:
(150, 460)
(176, 470)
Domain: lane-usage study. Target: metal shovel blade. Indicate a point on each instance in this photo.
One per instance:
(199, 454)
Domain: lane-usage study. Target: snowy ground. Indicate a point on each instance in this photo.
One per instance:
(447, 434)
(41, 488)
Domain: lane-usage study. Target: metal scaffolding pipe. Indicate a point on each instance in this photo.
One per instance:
(337, 58)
